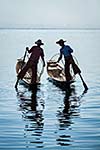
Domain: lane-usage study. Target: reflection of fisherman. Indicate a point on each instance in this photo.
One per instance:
(34, 98)
(36, 52)
(66, 51)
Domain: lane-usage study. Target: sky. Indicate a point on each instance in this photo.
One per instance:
(50, 13)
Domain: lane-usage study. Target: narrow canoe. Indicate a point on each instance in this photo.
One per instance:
(27, 78)
(56, 74)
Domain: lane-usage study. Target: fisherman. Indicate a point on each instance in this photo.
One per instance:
(35, 53)
(66, 51)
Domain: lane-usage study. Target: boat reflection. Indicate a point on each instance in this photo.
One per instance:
(32, 108)
(66, 114)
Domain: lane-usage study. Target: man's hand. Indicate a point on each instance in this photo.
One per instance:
(27, 48)
(43, 64)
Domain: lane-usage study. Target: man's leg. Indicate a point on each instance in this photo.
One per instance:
(22, 73)
(67, 70)
(76, 69)
(67, 74)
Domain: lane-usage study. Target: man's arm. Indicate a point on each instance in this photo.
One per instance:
(60, 57)
(42, 57)
(70, 49)
(43, 61)
(30, 50)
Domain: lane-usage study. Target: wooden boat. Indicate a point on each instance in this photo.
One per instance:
(56, 73)
(27, 78)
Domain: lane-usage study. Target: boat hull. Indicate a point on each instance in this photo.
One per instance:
(57, 76)
(27, 78)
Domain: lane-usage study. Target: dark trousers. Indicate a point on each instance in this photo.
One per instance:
(70, 61)
(29, 65)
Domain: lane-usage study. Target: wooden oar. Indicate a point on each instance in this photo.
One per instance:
(21, 67)
(25, 54)
(77, 70)
(84, 84)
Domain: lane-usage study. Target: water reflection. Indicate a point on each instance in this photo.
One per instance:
(32, 107)
(66, 113)
(31, 104)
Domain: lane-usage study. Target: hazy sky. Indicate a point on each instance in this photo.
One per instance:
(50, 13)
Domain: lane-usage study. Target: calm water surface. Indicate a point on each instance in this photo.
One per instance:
(51, 119)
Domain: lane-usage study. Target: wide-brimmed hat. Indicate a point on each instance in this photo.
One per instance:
(39, 42)
(60, 41)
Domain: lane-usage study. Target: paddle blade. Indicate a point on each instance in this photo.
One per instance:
(84, 84)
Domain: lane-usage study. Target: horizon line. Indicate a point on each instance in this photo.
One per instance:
(46, 28)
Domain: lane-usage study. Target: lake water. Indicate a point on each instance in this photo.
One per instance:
(53, 120)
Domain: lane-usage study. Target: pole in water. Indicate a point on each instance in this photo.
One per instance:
(16, 84)
(84, 84)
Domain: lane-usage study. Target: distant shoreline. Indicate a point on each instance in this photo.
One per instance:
(49, 28)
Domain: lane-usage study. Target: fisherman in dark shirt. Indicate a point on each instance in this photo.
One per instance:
(66, 51)
(35, 53)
